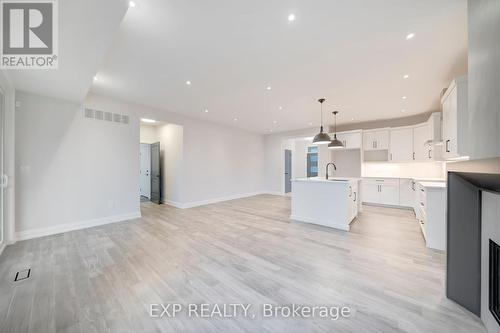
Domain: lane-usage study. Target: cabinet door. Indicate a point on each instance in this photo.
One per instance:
(389, 194)
(350, 140)
(382, 138)
(370, 192)
(421, 134)
(369, 141)
(453, 122)
(378, 140)
(401, 144)
(450, 123)
(406, 193)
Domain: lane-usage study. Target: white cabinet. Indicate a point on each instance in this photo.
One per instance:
(350, 140)
(353, 196)
(384, 191)
(455, 119)
(421, 137)
(431, 213)
(406, 193)
(401, 144)
(376, 140)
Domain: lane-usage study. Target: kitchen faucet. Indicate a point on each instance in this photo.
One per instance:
(334, 166)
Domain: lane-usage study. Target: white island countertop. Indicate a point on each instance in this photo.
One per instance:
(329, 180)
(333, 202)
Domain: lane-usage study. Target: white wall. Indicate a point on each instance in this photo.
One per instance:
(148, 134)
(218, 161)
(490, 229)
(72, 170)
(484, 78)
(9, 158)
(171, 140)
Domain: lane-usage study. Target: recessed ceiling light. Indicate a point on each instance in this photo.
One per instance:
(275, 121)
(406, 76)
(280, 108)
(268, 88)
(206, 110)
(131, 4)
(146, 120)
(235, 119)
(352, 118)
(410, 35)
(403, 110)
(188, 82)
(404, 97)
(291, 17)
(96, 78)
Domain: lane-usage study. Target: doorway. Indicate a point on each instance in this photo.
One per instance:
(145, 183)
(150, 172)
(288, 171)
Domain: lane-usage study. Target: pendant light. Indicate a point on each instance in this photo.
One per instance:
(321, 137)
(336, 143)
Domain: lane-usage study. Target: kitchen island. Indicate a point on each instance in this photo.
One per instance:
(333, 202)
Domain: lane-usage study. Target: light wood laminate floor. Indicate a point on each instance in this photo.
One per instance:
(242, 251)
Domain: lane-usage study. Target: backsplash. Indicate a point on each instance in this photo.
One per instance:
(404, 170)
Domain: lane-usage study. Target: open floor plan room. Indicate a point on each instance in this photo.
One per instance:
(249, 166)
(240, 251)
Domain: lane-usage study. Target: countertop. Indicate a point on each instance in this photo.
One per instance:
(418, 179)
(433, 184)
(330, 180)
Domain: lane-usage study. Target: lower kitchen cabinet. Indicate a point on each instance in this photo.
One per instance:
(427, 199)
(384, 191)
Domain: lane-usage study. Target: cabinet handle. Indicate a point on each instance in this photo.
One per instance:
(350, 191)
(414, 156)
(447, 149)
(430, 157)
(391, 156)
(413, 186)
(355, 196)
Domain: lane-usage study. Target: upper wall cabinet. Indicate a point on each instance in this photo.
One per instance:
(455, 119)
(376, 139)
(422, 151)
(350, 140)
(401, 144)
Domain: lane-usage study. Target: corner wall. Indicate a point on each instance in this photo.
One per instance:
(73, 172)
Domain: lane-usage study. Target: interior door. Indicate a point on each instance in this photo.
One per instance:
(155, 173)
(145, 170)
(3, 177)
(288, 171)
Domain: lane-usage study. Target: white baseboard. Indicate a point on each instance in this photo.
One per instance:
(58, 229)
(326, 224)
(192, 204)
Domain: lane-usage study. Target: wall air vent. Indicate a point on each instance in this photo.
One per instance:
(89, 113)
(107, 116)
(99, 115)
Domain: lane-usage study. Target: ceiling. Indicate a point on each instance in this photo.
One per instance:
(86, 30)
(352, 52)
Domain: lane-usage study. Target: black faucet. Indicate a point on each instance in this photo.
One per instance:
(334, 166)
